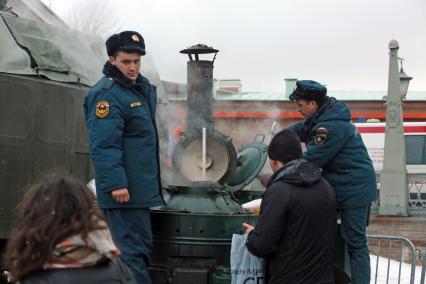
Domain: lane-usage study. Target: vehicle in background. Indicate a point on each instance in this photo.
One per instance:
(373, 135)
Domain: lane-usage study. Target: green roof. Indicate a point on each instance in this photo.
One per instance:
(341, 95)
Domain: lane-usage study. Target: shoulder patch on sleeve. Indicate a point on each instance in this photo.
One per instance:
(102, 109)
(320, 135)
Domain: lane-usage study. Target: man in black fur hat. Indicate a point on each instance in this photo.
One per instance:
(296, 230)
(120, 117)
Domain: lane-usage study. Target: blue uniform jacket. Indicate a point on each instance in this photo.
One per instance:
(123, 139)
(335, 145)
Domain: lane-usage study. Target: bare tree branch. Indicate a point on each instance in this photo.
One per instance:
(94, 17)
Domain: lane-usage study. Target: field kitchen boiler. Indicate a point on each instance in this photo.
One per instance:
(192, 233)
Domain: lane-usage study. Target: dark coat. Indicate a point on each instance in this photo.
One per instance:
(111, 272)
(296, 230)
(335, 145)
(124, 143)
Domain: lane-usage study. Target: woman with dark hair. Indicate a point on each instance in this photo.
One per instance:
(62, 237)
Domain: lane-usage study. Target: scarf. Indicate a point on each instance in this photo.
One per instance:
(75, 252)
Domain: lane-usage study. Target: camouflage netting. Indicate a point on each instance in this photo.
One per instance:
(60, 54)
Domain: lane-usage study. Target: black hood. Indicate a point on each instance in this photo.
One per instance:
(298, 172)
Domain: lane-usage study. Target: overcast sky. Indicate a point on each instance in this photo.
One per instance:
(341, 43)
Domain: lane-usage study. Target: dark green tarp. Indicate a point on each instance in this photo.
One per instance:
(61, 54)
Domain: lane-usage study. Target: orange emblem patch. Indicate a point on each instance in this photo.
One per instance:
(102, 109)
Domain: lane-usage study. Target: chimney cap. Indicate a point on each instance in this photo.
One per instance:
(199, 49)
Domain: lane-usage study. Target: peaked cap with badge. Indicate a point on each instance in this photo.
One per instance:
(309, 90)
(127, 41)
(333, 144)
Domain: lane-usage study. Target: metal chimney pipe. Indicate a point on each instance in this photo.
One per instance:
(200, 88)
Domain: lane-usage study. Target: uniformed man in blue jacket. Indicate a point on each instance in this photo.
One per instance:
(335, 145)
(120, 117)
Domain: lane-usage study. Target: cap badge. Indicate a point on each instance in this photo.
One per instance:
(320, 135)
(102, 109)
(135, 38)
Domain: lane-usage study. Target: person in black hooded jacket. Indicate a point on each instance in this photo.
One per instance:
(295, 233)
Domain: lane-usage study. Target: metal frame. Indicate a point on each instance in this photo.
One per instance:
(401, 243)
(416, 189)
(422, 259)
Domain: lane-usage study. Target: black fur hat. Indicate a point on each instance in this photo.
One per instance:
(128, 41)
(285, 147)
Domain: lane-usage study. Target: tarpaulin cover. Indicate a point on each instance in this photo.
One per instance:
(61, 54)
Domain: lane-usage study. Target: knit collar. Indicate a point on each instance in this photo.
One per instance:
(112, 71)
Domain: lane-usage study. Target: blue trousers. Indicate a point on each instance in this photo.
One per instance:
(131, 229)
(353, 229)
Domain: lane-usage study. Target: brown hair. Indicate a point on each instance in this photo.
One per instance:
(52, 210)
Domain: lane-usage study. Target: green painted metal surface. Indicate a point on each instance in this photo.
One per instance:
(202, 200)
(250, 161)
(193, 241)
(193, 232)
(42, 131)
(221, 275)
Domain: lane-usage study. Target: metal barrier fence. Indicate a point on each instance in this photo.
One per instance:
(422, 258)
(416, 189)
(391, 252)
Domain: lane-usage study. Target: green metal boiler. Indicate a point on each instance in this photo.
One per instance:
(193, 232)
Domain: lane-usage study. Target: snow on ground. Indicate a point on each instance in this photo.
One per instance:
(393, 271)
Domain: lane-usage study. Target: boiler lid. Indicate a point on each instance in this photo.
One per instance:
(250, 161)
(220, 159)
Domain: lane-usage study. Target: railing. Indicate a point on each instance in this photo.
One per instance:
(416, 189)
(422, 259)
(392, 252)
